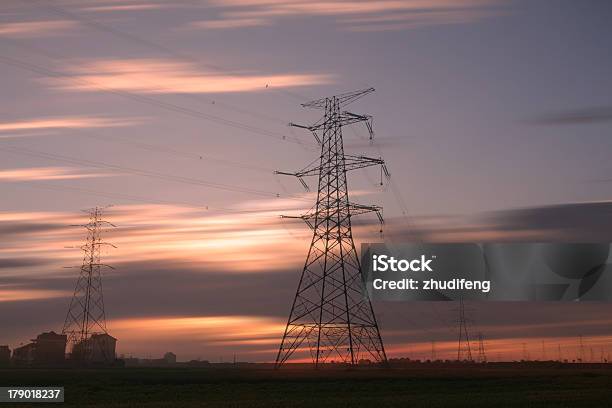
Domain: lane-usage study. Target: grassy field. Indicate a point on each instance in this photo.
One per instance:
(413, 387)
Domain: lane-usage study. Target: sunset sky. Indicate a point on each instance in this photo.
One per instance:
(494, 118)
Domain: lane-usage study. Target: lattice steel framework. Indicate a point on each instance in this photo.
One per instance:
(332, 314)
(482, 355)
(86, 315)
(464, 350)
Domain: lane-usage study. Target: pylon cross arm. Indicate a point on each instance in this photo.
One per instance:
(343, 99)
(350, 163)
(360, 162)
(350, 210)
(341, 119)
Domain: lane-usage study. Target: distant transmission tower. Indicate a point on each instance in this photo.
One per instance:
(482, 355)
(332, 315)
(85, 315)
(433, 351)
(464, 351)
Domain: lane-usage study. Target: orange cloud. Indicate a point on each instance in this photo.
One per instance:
(240, 242)
(56, 123)
(354, 15)
(235, 23)
(165, 76)
(198, 327)
(126, 7)
(46, 173)
(20, 295)
(190, 333)
(28, 29)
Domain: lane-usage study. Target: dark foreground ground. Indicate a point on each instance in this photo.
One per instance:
(411, 387)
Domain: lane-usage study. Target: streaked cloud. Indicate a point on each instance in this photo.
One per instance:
(193, 335)
(229, 23)
(200, 327)
(576, 117)
(425, 18)
(45, 125)
(21, 295)
(246, 241)
(215, 282)
(583, 221)
(125, 7)
(359, 15)
(159, 76)
(29, 29)
(47, 173)
(241, 242)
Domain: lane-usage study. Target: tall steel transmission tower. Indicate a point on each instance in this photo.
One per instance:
(464, 350)
(332, 315)
(482, 355)
(86, 315)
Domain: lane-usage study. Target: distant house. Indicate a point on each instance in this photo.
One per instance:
(170, 358)
(46, 349)
(99, 348)
(24, 355)
(50, 348)
(5, 355)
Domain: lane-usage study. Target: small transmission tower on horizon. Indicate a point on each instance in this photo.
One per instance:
(332, 314)
(86, 315)
(464, 350)
(482, 355)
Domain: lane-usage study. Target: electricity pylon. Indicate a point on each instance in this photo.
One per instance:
(464, 350)
(331, 313)
(86, 315)
(482, 355)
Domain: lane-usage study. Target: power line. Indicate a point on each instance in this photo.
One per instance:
(144, 173)
(130, 197)
(133, 198)
(199, 98)
(397, 195)
(172, 52)
(148, 100)
(165, 149)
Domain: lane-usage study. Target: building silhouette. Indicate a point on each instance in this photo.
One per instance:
(98, 348)
(5, 355)
(24, 355)
(170, 358)
(46, 349)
